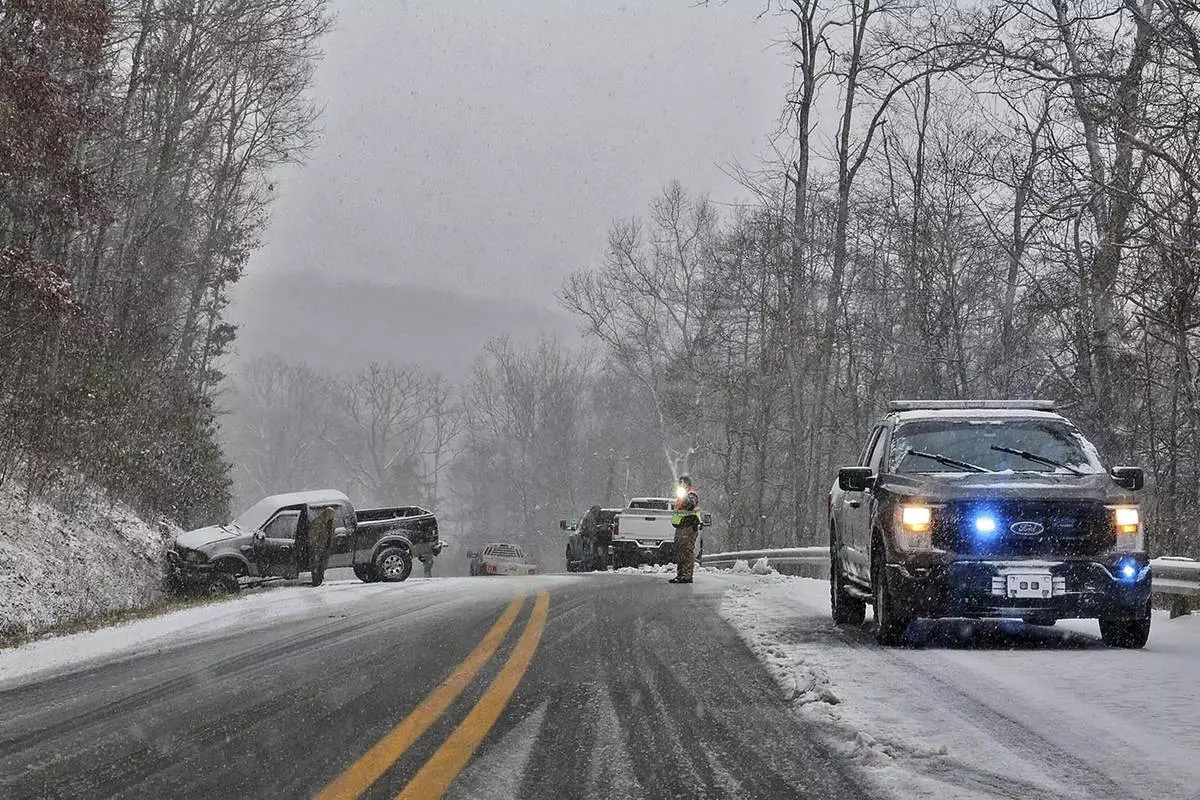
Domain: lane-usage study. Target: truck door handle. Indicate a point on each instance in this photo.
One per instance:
(854, 503)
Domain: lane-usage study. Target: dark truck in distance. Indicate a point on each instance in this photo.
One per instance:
(582, 555)
(987, 509)
(270, 540)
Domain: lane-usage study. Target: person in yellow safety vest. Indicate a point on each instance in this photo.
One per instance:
(686, 520)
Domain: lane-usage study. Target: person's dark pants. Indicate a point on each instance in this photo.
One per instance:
(427, 564)
(317, 563)
(603, 551)
(685, 554)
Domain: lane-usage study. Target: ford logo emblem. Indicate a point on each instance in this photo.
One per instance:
(1027, 528)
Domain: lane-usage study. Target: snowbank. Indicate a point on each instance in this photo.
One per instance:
(56, 566)
(983, 709)
(647, 569)
(762, 567)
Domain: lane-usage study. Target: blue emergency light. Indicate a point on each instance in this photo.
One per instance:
(1127, 569)
(985, 524)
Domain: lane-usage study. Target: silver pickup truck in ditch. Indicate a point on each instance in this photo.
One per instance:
(270, 539)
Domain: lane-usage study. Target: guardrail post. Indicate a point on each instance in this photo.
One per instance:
(1181, 606)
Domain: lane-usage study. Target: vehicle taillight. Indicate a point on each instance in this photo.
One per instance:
(616, 528)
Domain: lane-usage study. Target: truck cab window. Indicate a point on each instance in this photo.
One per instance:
(869, 452)
(282, 525)
(878, 448)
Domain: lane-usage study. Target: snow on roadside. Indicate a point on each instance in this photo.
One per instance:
(646, 569)
(57, 566)
(985, 709)
(658, 569)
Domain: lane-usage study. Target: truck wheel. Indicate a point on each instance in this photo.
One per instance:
(846, 610)
(393, 564)
(1128, 632)
(219, 583)
(366, 573)
(889, 625)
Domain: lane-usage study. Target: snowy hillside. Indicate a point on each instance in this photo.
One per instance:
(56, 567)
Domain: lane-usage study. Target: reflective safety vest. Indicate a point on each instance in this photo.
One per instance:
(681, 514)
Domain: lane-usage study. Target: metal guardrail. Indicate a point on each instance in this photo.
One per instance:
(1172, 575)
(1179, 578)
(789, 558)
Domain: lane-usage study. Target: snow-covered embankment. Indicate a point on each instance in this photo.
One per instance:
(57, 567)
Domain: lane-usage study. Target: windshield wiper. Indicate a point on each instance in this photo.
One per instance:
(947, 460)
(1040, 459)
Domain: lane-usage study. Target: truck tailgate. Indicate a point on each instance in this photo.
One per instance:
(645, 525)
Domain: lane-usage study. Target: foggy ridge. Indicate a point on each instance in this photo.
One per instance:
(369, 321)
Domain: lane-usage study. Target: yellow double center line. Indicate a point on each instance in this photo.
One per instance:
(444, 766)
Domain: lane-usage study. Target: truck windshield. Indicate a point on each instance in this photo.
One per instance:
(995, 445)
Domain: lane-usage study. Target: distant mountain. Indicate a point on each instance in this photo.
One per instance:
(339, 324)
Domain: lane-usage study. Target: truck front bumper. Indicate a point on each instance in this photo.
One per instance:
(186, 573)
(1079, 589)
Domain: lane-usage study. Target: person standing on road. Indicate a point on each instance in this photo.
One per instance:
(589, 529)
(686, 520)
(320, 539)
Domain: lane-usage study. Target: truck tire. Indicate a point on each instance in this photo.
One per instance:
(219, 583)
(393, 564)
(889, 625)
(366, 573)
(1127, 632)
(845, 609)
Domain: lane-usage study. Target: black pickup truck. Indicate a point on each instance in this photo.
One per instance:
(270, 540)
(987, 509)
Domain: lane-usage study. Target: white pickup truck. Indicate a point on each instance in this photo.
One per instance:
(643, 533)
(502, 558)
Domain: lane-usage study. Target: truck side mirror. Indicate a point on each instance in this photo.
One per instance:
(706, 518)
(1131, 478)
(855, 479)
(562, 524)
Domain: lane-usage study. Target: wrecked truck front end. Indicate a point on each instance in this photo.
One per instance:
(209, 560)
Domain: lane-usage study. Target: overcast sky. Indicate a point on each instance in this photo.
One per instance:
(485, 146)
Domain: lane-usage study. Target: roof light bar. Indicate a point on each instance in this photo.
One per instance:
(934, 405)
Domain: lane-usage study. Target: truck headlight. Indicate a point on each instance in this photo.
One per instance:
(916, 519)
(914, 527)
(1127, 524)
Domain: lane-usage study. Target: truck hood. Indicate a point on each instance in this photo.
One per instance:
(1003, 485)
(199, 538)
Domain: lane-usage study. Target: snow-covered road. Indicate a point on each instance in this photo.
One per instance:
(985, 709)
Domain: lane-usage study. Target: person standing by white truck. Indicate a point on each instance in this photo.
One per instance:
(686, 521)
(643, 533)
